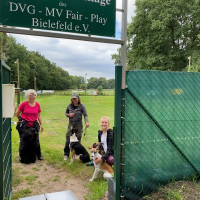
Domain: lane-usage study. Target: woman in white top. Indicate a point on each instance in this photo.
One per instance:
(105, 136)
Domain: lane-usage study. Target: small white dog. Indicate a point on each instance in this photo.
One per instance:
(100, 167)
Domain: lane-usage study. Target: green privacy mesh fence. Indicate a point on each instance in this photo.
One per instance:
(160, 130)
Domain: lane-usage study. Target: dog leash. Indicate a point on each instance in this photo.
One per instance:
(85, 131)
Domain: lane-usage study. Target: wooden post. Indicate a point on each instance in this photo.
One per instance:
(34, 79)
(3, 47)
(189, 58)
(18, 83)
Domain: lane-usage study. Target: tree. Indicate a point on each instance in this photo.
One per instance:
(83, 86)
(103, 82)
(93, 83)
(116, 57)
(33, 64)
(111, 84)
(163, 34)
(48, 75)
(16, 51)
(99, 89)
(195, 62)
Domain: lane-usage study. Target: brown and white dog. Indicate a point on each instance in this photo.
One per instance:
(102, 166)
(100, 148)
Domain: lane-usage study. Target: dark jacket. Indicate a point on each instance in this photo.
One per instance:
(78, 112)
(110, 150)
(22, 125)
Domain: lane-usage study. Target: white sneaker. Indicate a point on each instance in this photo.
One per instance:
(65, 157)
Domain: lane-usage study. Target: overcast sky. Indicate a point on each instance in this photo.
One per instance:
(78, 57)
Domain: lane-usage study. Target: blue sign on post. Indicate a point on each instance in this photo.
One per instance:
(92, 17)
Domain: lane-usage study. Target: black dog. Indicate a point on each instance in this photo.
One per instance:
(78, 149)
(28, 146)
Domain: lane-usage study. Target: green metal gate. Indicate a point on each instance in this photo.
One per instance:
(5, 142)
(159, 138)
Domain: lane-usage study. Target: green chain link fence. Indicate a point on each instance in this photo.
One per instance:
(160, 130)
(5, 142)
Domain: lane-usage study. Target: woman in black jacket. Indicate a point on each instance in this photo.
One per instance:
(105, 136)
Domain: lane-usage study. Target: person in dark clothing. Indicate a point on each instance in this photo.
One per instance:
(75, 110)
(105, 136)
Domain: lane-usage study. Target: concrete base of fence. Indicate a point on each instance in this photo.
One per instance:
(110, 189)
(63, 195)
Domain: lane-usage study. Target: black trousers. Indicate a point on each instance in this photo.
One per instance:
(69, 133)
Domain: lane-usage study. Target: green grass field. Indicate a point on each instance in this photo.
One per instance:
(52, 139)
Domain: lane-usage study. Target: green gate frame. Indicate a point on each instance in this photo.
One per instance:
(117, 132)
(5, 141)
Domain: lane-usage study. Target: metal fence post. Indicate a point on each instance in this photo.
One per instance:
(117, 132)
(5, 141)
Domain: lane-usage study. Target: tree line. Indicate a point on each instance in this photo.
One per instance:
(164, 35)
(48, 75)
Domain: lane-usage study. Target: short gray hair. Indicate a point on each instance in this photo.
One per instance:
(31, 91)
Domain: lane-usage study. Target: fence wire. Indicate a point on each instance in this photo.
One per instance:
(160, 130)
